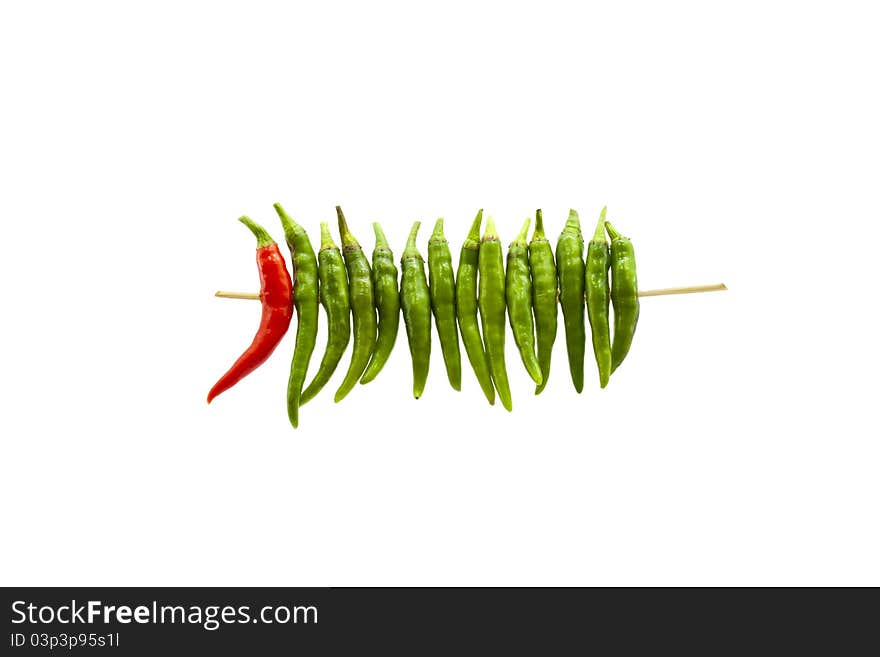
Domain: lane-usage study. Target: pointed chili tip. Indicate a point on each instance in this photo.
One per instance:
(262, 235)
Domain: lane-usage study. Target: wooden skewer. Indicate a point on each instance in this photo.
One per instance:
(718, 287)
(253, 296)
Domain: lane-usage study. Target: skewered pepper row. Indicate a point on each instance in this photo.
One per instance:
(367, 300)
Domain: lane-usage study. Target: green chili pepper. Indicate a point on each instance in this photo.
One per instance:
(598, 296)
(544, 293)
(492, 303)
(334, 298)
(387, 303)
(363, 308)
(624, 295)
(519, 302)
(570, 267)
(305, 299)
(415, 301)
(442, 287)
(466, 308)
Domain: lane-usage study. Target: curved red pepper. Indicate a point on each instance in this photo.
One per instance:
(276, 295)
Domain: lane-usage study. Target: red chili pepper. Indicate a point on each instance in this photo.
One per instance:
(276, 295)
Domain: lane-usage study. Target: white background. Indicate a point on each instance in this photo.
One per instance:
(735, 143)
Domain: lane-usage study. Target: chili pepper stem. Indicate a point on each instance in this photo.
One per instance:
(438, 230)
(490, 232)
(326, 237)
(474, 233)
(539, 225)
(381, 240)
(410, 250)
(522, 236)
(613, 233)
(263, 237)
(344, 233)
(599, 235)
